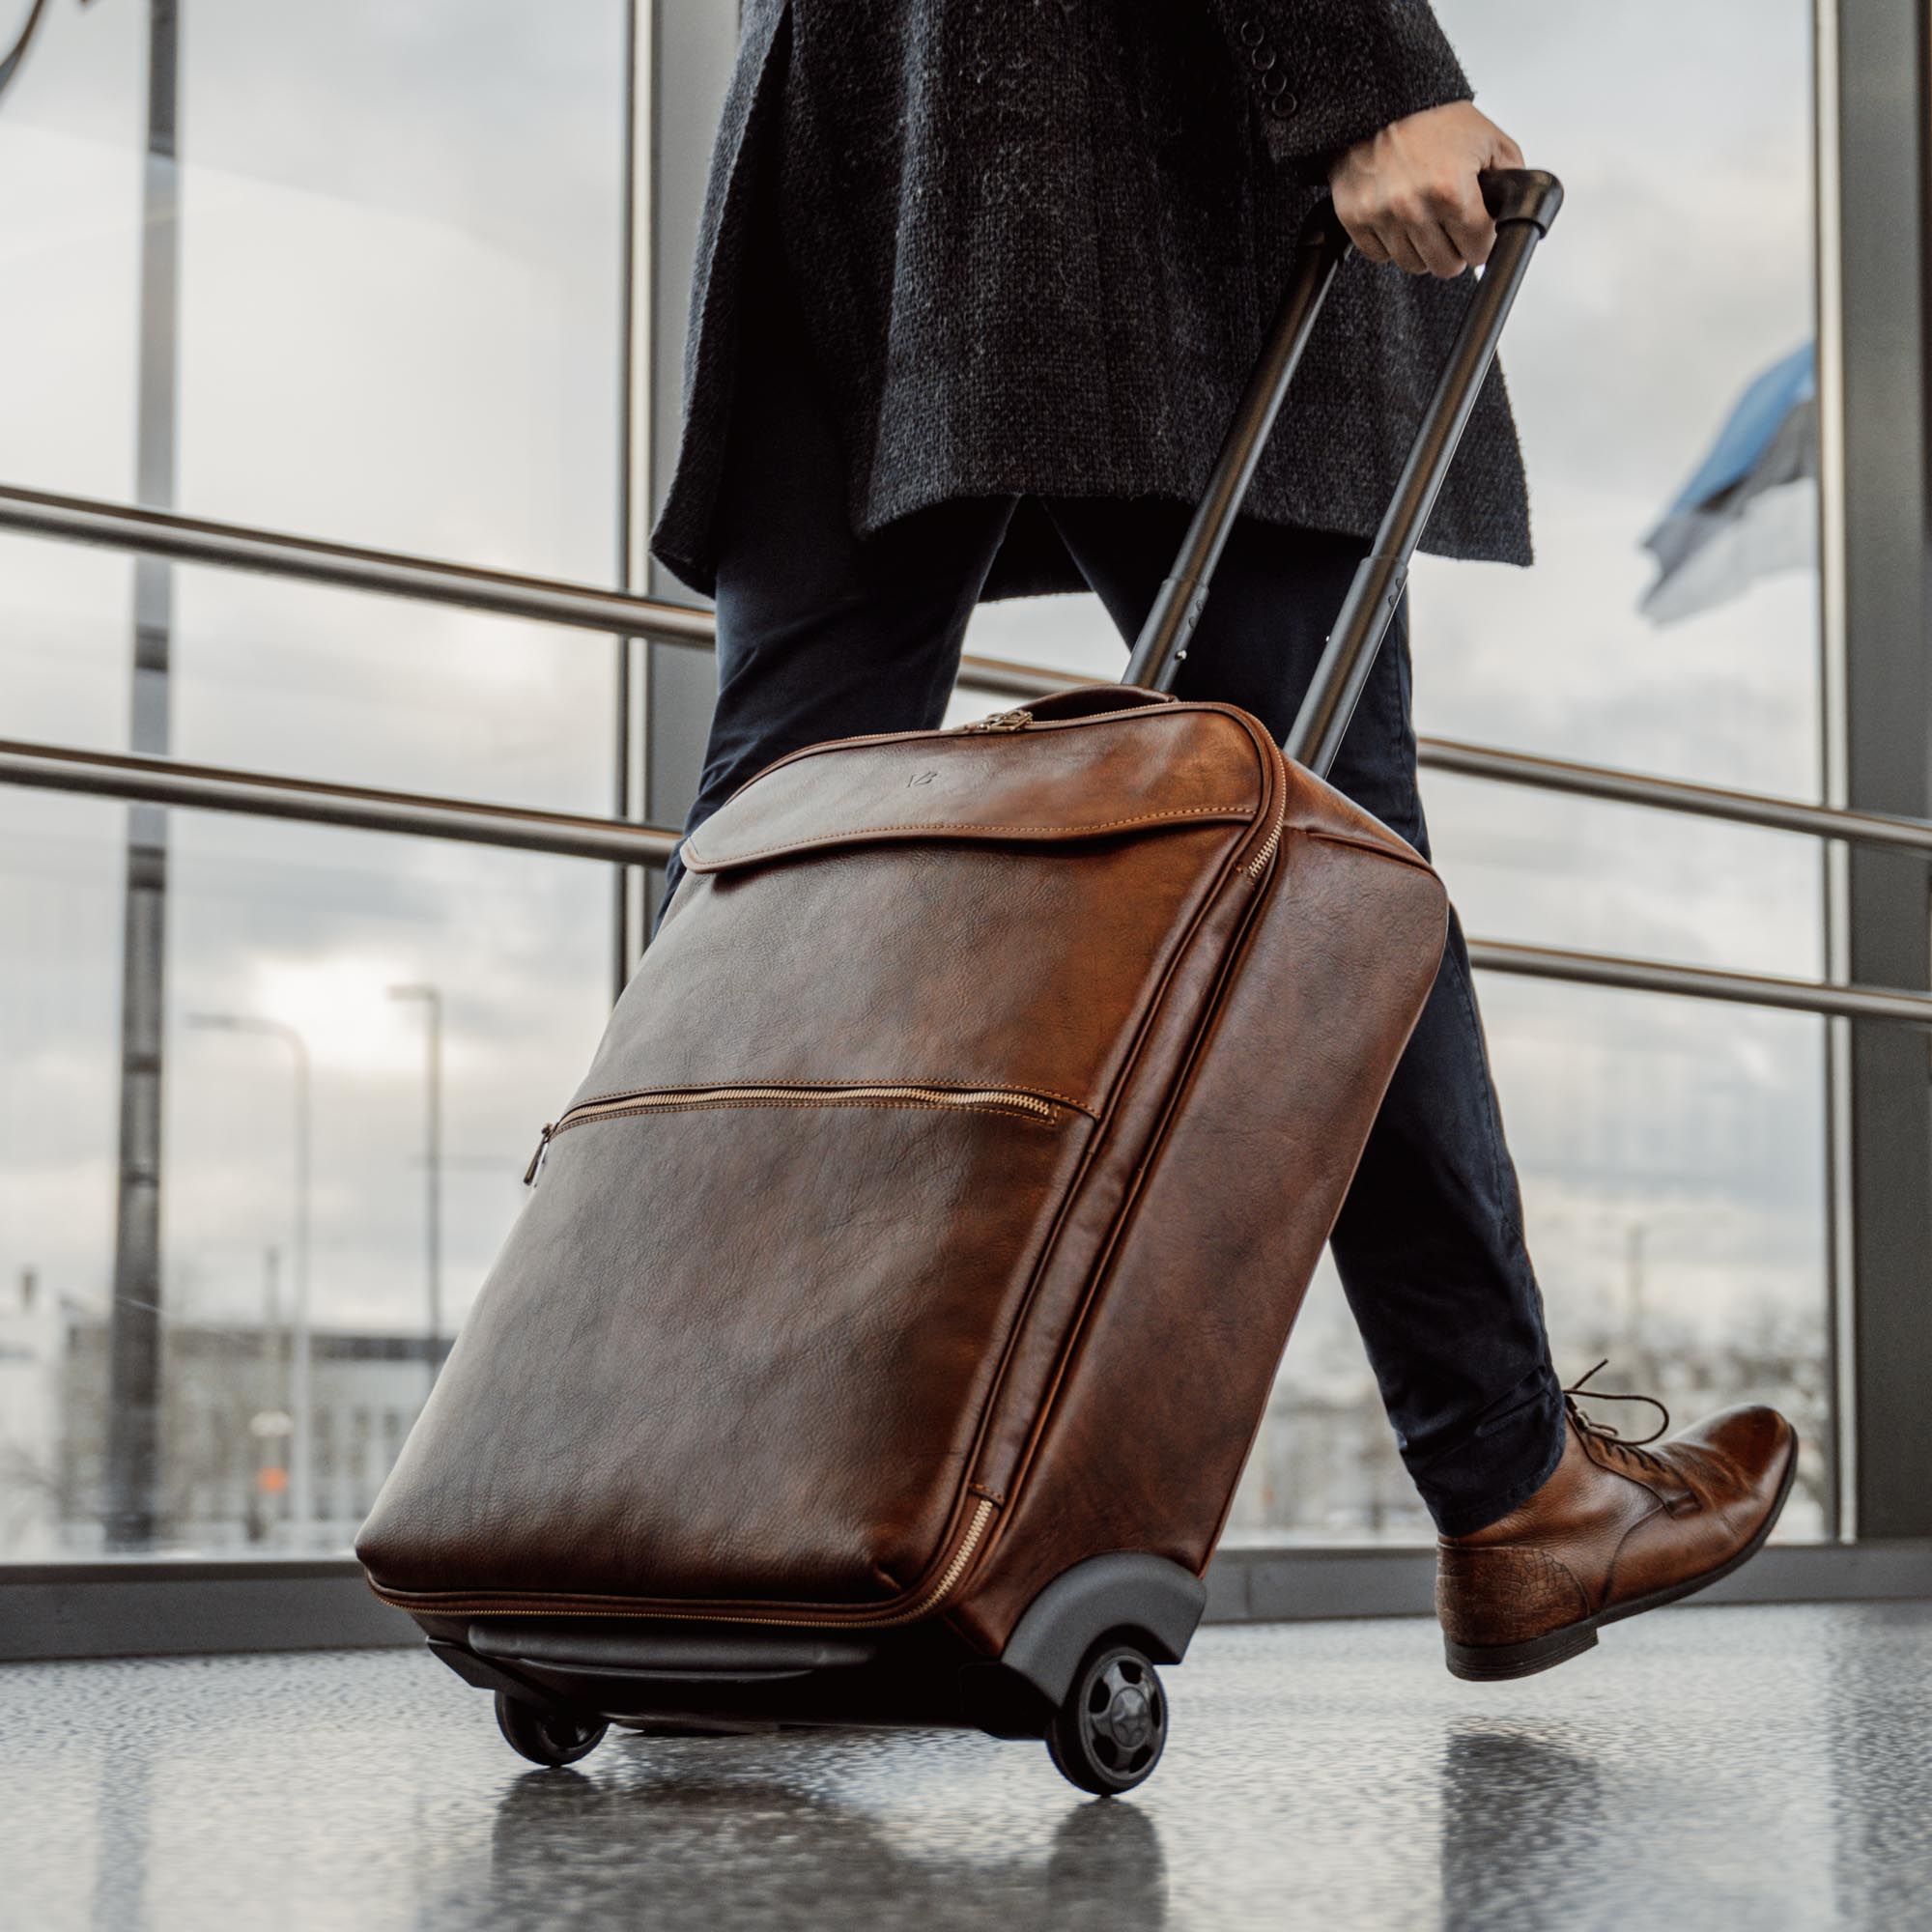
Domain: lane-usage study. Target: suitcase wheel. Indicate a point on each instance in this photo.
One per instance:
(546, 1735)
(1109, 1734)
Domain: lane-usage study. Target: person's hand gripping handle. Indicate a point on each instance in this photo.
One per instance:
(1410, 194)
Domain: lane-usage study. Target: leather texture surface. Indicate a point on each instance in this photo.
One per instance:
(1015, 1154)
(987, 964)
(1614, 1524)
(725, 1361)
(1073, 782)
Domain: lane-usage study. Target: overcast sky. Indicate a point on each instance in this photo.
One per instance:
(399, 327)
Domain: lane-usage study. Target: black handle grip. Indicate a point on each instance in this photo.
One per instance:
(1523, 202)
(1521, 194)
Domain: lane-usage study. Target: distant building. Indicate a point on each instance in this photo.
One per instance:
(226, 1434)
(31, 1350)
(1324, 1468)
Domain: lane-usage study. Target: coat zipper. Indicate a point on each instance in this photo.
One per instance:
(985, 1509)
(656, 1100)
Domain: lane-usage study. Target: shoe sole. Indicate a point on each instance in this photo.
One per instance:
(1499, 1662)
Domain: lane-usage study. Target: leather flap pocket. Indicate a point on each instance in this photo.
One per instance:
(1085, 779)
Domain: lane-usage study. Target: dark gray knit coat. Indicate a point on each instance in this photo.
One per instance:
(1036, 244)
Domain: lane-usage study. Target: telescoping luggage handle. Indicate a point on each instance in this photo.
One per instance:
(1523, 202)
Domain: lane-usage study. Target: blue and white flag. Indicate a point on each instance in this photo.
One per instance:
(1752, 509)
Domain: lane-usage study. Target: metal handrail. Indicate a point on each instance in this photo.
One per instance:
(362, 807)
(548, 600)
(1611, 785)
(558, 601)
(1702, 983)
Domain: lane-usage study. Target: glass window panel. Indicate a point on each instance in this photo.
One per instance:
(274, 675)
(401, 265)
(1615, 878)
(71, 131)
(1682, 269)
(308, 927)
(1671, 1153)
(401, 252)
(67, 640)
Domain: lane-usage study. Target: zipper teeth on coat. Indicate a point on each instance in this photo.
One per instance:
(928, 1601)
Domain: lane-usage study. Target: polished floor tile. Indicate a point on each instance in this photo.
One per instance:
(1760, 1767)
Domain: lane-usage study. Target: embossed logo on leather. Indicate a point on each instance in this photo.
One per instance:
(921, 778)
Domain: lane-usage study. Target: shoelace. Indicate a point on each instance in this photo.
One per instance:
(1601, 1432)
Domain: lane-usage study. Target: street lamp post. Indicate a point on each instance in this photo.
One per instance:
(432, 1004)
(301, 1482)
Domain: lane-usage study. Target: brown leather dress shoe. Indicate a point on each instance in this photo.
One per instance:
(1620, 1527)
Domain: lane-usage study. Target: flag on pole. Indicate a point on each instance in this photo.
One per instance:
(1752, 508)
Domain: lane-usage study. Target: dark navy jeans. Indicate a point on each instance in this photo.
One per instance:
(823, 636)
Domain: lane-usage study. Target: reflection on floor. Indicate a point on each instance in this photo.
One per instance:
(1715, 1767)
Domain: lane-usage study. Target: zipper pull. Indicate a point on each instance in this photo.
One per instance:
(1000, 721)
(535, 1167)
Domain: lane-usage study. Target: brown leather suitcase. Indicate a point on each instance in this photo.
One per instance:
(907, 1277)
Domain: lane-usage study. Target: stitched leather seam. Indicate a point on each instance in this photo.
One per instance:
(1614, 1465)
(697, 860)
(1238, 953)
(1276, 881)
(1616, 1556)
(1414, 859)
(1180, 707)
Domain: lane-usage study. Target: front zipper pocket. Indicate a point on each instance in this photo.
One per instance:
(1018, 1102)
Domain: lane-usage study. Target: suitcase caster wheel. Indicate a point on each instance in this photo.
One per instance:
(546, 1737)
(1109, 1734)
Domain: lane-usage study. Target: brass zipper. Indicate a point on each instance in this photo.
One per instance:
(1000, 721)
(661, 1099)
(928, 1600)
(1257, 865)
(975, 1530)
